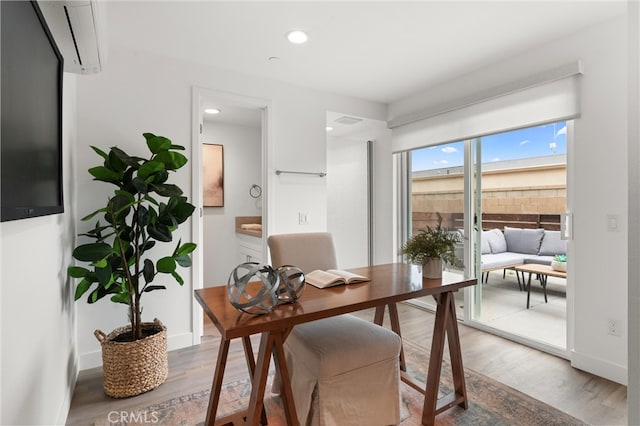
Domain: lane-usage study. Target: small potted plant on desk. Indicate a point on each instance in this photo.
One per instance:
(144, 209)
(430, 247)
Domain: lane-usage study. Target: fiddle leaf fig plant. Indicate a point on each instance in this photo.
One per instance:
(144, 209)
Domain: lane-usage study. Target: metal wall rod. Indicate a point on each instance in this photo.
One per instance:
(321, 174)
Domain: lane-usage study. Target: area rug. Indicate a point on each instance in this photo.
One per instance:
(490, 403)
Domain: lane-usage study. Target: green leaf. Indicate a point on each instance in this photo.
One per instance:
(184, 261)
(178, 147)
(147, 245)
(77, 271)
(171, 160)
(89, 216)
(183, 211)
(148, 271)
(100, 152)
(82, 288)
(185, 249)
(154, 287)
(177, 277)
(167, 190)
(103, 174)
(102, 263)
(125, 158)
(120, 205)
(143, 216)
(159, 232)
(166, 265)
(115, 163)
(149, 168)
(150, 199)
(158, 144)
(92, 252)
(140, 185)
(120, 298)
(104, 275)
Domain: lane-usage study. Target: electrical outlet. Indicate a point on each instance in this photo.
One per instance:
(303, 218)
(613, 327)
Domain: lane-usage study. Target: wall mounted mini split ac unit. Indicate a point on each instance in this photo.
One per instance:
(78, 28)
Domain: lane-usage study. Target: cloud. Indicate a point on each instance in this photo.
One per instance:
(449, 150)
(441, 162)
(496, 159)
(562, 131)
(524, 142)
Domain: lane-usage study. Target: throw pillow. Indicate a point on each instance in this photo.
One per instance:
(496, 240)
(552, 244)
(525, 241)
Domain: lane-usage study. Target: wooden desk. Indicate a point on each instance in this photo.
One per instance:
(389, 284)
(543, 271)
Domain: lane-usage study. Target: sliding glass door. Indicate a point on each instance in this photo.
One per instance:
(486, 187)
(437, 189)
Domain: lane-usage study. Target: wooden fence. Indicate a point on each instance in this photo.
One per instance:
(549, 222)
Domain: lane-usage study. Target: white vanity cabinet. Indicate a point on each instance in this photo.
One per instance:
(249, 248)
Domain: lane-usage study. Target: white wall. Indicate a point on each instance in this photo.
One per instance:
(598, 175)
(242, 168)
(347, 195)
(38, 340)
(347, 203)
(633, 386)
(138, 92)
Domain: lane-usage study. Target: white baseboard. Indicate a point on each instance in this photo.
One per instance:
(94, 359)
(608, 370)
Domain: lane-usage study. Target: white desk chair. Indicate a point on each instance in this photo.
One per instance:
(344, 370)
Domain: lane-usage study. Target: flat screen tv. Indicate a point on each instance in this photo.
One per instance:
(31, 111)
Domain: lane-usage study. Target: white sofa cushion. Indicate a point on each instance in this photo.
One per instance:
(499, 260)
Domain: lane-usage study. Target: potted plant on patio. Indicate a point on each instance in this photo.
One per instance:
(559, 263)
(430, 247)
(143, 210)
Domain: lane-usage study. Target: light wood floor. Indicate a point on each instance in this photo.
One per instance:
(545, 377)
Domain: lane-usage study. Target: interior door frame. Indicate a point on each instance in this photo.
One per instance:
(198, 95)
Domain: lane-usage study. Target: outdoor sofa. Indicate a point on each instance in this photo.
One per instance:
(518, 246)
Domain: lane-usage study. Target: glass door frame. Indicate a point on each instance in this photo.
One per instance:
(472, 214)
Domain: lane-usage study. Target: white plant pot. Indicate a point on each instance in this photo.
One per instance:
(559, 266)
(432, 268)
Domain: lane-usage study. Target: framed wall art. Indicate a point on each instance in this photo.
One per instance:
(213, 175)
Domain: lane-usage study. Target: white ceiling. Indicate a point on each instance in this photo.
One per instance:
(380, 51)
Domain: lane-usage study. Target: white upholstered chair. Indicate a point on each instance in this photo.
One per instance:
(343, 370)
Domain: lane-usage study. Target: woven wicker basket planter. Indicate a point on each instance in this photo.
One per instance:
(132, 368)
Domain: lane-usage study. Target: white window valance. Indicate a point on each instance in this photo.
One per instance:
(545, 98)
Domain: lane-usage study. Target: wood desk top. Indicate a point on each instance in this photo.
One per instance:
(389, 283)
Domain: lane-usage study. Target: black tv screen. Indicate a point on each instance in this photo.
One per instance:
(31, 111)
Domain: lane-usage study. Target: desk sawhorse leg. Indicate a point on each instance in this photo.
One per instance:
(270, 342)
(446, 323)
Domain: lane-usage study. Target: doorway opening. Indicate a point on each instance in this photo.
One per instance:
(237, 126)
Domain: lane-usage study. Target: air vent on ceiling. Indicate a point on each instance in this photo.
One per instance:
(345, 119)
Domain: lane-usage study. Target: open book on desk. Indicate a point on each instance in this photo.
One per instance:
(323, 279)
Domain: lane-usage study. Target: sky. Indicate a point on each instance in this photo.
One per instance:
(537, 141)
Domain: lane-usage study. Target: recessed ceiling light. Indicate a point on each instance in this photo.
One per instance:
(329, 128)
(297, 36)
(212, 110)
